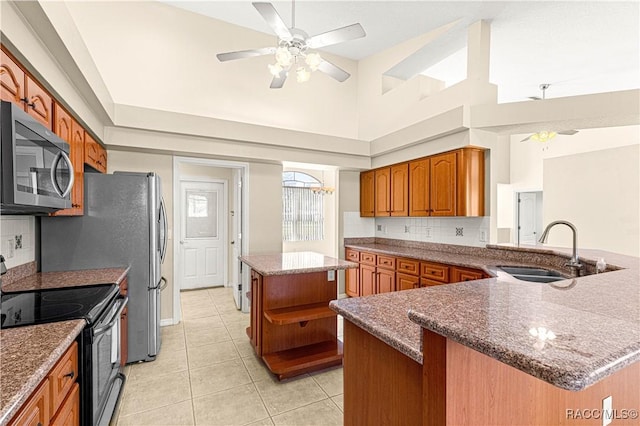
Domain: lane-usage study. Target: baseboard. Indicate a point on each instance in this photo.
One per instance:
(166, 322)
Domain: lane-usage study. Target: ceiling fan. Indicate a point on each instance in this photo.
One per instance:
(293, 47)
(546, 135)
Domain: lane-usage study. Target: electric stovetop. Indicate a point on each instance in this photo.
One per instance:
(44, 306)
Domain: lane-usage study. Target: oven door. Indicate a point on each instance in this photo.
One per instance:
(105, 359)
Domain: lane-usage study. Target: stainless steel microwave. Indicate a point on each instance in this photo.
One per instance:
(37, 174)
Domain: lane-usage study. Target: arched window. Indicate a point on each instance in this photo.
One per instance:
(302, 207)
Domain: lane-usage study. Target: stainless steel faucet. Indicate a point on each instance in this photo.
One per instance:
(574, 262)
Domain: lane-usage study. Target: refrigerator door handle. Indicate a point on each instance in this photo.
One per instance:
(165, 227)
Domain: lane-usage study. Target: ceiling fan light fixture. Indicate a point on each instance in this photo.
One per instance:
(275, 69)
(543, 136)
(283, 57)
(302, 74)
(313, 60)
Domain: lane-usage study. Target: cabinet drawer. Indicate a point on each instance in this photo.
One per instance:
(63, 376)
(352, 255)
(459, 274)
(408, 266)
(434, 271)
(368, 258)
(386, 262)
(426, 282)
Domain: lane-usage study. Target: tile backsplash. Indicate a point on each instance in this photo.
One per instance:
(17, 239)
(467, 231)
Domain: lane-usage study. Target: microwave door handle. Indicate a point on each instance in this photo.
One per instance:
(54, 180)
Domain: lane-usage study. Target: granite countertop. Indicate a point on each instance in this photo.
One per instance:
(595, 319)
(27, 354)
(294, 263)
(49, 280)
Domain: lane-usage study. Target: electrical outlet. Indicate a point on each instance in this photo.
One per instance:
(483, 235)
(18, 242)
(379, 227)
(406, 229)
(428, 233)
(607, 410)
(10, 248)
(331, 275)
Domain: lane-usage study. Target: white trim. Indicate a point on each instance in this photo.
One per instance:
(244, 168)
(167, 322)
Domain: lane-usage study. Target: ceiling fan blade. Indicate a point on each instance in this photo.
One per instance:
(526, 139)
(535, 98)
(333, 70)
(278, 82)
(350, 32)
(568, 132)
(274, 20)
(230, 56)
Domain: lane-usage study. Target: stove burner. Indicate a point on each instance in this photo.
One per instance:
(60, 310)
(78, 294)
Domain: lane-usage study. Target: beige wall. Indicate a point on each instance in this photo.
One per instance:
(348, 201)
(599, 192)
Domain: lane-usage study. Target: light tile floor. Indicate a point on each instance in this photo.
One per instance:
(207, 374)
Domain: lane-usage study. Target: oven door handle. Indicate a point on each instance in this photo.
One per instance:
(123, 303)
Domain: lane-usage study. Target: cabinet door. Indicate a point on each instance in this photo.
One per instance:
(406, 281)
(256, 312)
(95, 155)
(442, 194)
(63, 376)
(352, 282)
(367, 185)
(11, 80)
(386, 281)
(383, 191)
(367, 280)
(419, 188)
(400, 190)
(36, 410)
(71, 132)
(69, 413)
(39, 103)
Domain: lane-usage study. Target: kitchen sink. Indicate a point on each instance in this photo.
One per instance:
(537, 275)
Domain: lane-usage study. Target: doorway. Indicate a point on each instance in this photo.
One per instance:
(528, 217)
(203, 234)
(193, 262)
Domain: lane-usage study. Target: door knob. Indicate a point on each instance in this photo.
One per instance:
(181, 242)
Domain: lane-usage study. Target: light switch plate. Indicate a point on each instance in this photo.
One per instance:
(331, 275)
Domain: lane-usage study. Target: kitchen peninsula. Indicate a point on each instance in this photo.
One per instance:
(292, 327)
(496, 350)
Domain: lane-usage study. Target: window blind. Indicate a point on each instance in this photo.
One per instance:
(302, 215)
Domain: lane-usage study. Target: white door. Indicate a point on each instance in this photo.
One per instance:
(527, 218)
(202, 234)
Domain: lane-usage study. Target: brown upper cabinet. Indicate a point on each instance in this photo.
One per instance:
(382, 191)
(367, 191)
(447, 184)
(95, 155)
(19, 87)
(400, 190)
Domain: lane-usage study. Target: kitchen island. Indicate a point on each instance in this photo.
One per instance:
(497, 350)
(292, 327)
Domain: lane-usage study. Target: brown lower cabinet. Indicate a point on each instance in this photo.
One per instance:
(380, 273)
(56, 401)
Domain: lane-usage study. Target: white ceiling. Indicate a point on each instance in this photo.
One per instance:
(579, 47)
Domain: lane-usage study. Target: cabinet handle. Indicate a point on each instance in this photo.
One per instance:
(70, 375)
(26, 101)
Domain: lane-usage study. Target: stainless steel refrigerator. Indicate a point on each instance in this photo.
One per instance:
(124, 224)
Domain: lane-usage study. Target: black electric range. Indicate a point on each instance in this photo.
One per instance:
(60, 304)
(101, 307)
